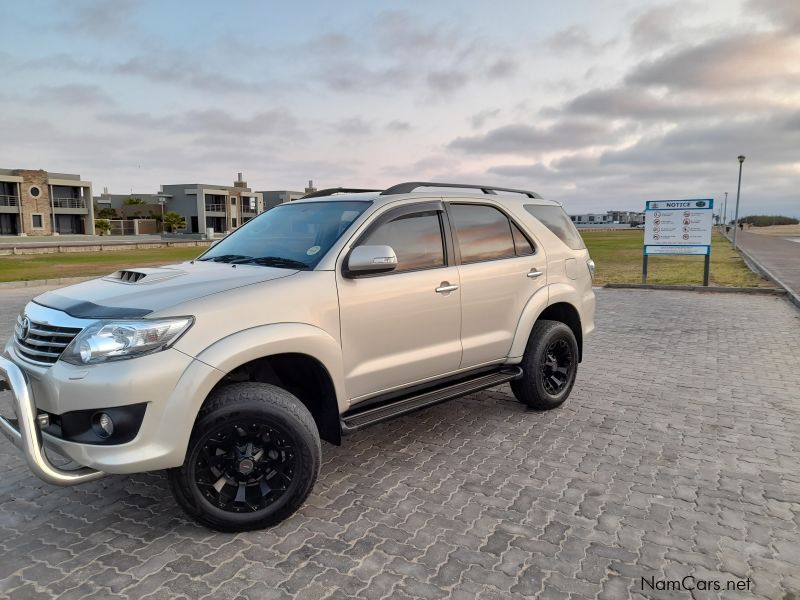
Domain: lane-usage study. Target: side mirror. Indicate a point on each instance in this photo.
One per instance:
(366, 260)
(214, 243)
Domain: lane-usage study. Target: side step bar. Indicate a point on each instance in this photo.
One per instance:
(358, 419)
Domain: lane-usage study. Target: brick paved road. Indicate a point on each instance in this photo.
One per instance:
(678, 453)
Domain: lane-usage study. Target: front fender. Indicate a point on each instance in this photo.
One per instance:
(279, 338)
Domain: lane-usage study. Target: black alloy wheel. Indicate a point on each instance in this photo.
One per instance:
(556, 366)
(549, 366)
(245, 466)
(252, 459)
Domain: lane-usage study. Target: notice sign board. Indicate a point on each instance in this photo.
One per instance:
(678, 226)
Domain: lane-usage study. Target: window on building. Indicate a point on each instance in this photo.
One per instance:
(37, 221)
(35, 191)
(233, 222)
(416, 240)
(233, 202)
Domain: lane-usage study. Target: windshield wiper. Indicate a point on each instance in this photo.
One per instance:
(276, 261)
(227, 258)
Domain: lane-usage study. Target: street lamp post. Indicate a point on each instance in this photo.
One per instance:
(738, 191)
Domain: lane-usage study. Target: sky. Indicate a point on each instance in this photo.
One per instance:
(597, 104)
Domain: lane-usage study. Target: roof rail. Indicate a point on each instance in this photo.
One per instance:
(410, 186)
(336, 190)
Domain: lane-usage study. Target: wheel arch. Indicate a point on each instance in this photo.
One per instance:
(553, 302)
(303, 359)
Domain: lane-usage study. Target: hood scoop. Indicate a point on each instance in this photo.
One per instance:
(143, 275)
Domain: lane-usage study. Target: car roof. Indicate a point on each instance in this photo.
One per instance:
(377, 198)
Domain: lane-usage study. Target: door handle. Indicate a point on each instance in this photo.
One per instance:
(534, 273)
(445, 287)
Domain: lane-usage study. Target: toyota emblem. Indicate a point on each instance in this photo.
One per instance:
(26, 328)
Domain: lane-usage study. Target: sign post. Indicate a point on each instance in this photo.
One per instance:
(674, 227)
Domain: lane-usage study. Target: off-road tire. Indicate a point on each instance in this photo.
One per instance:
(265, 413)
(535, 388)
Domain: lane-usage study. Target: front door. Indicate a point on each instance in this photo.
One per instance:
(402, 327)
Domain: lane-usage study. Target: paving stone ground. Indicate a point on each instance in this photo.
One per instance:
(677, 454)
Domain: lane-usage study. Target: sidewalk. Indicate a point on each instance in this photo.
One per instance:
(778, 255)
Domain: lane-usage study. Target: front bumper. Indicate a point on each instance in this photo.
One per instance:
(26, 434)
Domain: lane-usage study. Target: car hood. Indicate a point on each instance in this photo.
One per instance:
(139, 291)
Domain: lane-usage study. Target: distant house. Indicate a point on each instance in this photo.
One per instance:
(611, 217)
(35, 202)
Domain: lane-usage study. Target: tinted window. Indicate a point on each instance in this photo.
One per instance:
(521, 243)
(416, 240)
(557, 221)
(484, 233)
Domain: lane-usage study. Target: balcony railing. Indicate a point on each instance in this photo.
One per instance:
(68, 203)
(246, 210)
(215, 208)
(6, 200)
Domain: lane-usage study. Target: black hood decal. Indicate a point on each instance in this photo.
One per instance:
(82, 309)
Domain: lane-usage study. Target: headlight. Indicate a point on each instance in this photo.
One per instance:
(118, 340)
(590, 264)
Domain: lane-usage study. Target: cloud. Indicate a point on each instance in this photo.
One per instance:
(174, 68)
(732, 61)
(527, 139)
(783, 13)
(398, 126)
(656, 26)
(216, 123)
(353, 126)
(577, 39)
(102, 18)
(446, 82)
(72, 95)
(479, 119)
(502, 68)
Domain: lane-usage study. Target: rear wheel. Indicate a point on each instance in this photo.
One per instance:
(252, 459)
(549, 366)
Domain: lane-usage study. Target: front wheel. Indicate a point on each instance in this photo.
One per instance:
(549, 366)
(252, 459)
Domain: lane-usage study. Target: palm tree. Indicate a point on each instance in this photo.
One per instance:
(173, 221)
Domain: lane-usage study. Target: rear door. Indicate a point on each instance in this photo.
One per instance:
(402, 327)
(500, 269)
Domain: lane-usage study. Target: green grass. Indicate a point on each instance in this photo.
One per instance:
(618, 256)
(78, 264)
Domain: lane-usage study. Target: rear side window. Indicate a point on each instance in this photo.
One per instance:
(416, 240)
(483, 232)
(521, 243)
(557, 221)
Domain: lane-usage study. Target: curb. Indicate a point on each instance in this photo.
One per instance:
(756, 266)
(699, 288)
(6, 285)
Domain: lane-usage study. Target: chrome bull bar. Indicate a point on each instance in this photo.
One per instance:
(26, 434)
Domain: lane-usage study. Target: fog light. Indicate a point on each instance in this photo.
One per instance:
(102, 425)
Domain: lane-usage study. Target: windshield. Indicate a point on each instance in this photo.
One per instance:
(292, 236)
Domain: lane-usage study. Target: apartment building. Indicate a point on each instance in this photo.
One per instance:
(273, 198)
(35, 202)
(219, 207)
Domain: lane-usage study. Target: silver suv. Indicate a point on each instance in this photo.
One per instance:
(315, 319)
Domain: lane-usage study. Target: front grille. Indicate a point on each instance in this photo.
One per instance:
(44, 343)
